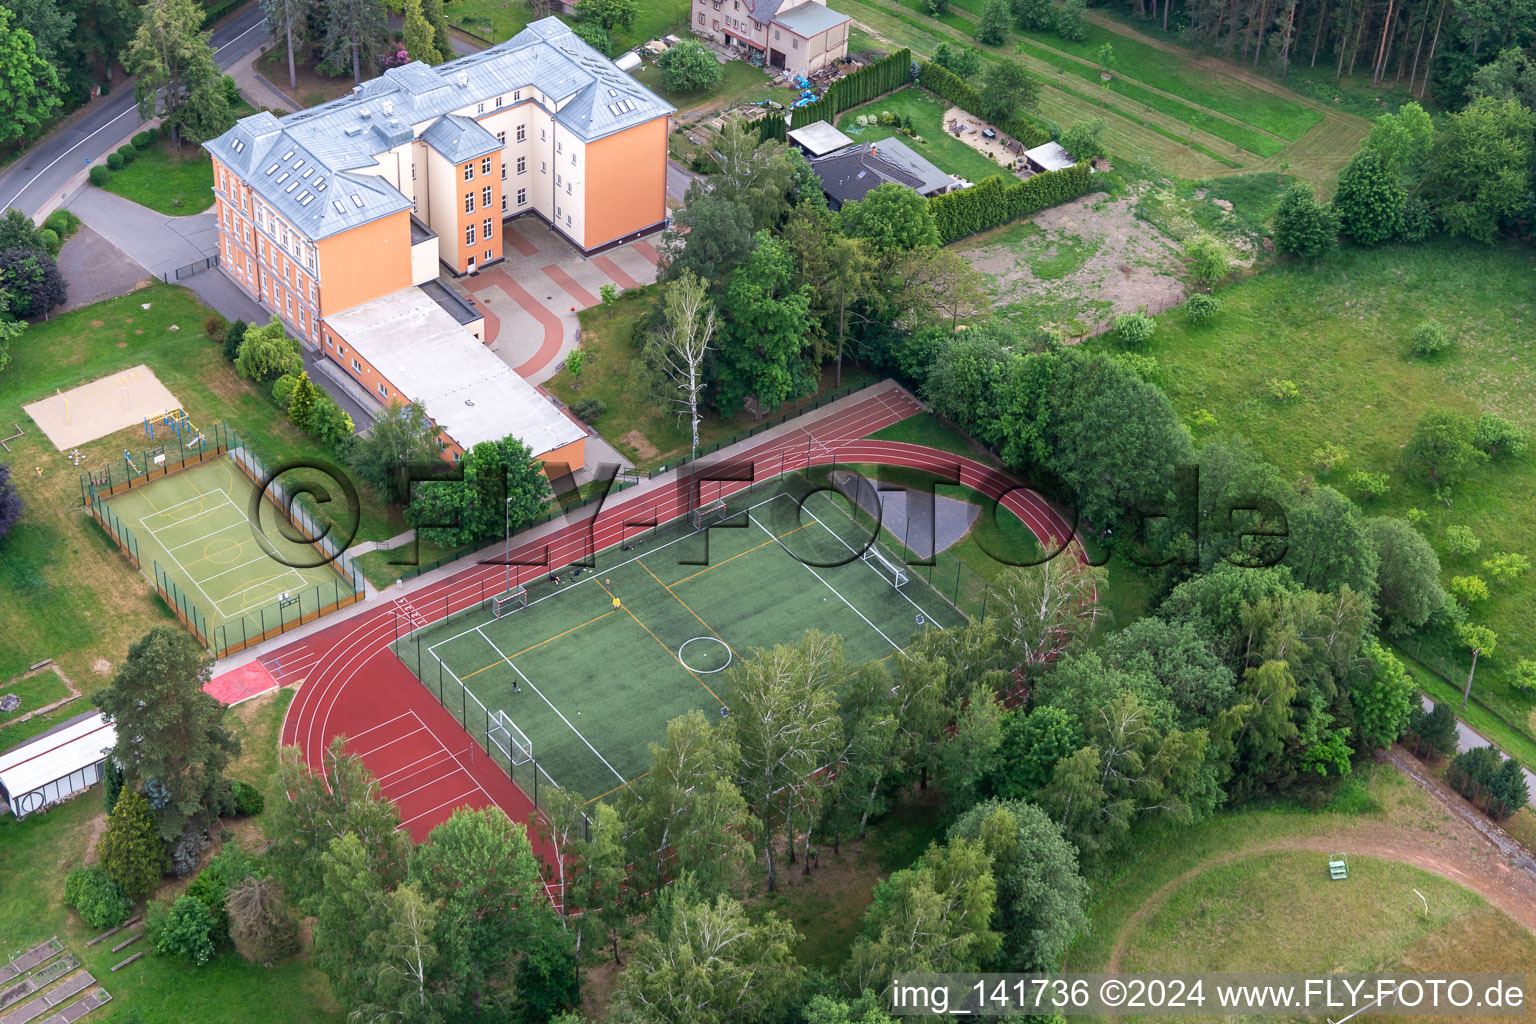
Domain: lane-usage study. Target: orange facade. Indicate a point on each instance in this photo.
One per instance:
(370, 260)
(626, 186)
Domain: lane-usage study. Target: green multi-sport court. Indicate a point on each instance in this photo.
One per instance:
(195, 525)
(590, 685)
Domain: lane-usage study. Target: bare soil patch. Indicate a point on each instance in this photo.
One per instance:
(644, 450)
(1074, 267)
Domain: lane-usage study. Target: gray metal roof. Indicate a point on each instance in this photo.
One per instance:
(1050, 155)
(809, 19)
(894, 151)
(592, 97)
(819, 138)
(459, 138)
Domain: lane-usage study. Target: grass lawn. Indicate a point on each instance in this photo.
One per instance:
(35, 692)
(740, 82)
(927, 112)
(1340, 331)
(70, 595)
(499, 20)
(168, 180)
(39, 851)
(1209, 904)
(645, 431)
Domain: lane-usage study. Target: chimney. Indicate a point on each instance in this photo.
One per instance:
(366, 113)
(463, 79)
(356, 90)
(389, 107)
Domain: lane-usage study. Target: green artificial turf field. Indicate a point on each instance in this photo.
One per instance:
(590, 684)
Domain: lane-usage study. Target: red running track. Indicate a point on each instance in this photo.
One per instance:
(353, 685)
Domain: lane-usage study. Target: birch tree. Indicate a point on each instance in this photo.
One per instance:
(1040, 608)
(679, 349)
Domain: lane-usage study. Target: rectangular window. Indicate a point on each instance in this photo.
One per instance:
(469, 171)
(503, 172)
(413, 172)
(522, 197)
(543, 167)
(517, 94)
(567, 188)
(485, 229)
(542, 135)
(522, 133)
(480, 109)
(485, 196)
(383, 391)
(522, 165)
(311, 293)
(304, 319)
(288, 303)
(488, 257)
(567, 220)
(501, 137)
(498, 101)
(485, 165)
(573, 159)
(469, 202)
(469, 235)
(558, 180)
(559, 147)
(357, 367)
(794, 44)
(503, 203)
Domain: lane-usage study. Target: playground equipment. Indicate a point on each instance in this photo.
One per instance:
(1338, 867)
(178, 423)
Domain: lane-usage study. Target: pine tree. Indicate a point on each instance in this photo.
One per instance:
(302, 401)
(130, 850)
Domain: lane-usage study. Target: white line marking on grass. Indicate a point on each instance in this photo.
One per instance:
(200, 512)
(552, 707)
(171, 508)
(829, 586)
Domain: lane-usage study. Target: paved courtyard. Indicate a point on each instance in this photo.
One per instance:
(530, 299)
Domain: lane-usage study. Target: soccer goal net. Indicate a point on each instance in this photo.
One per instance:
(893, 574)
(511, 601)
(708, 514)
(504, 734)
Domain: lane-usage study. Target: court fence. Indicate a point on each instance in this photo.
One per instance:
(252, 627)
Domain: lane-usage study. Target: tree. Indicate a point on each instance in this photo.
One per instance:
(401, 440)
(10, 502)
(1032, 743)
(711, 237)
(259, 922)
(1383, 698)
(30, 283)
(964, 61)
(1084, 139)
(1034, 15)
(1040, 608)
(1407, 574)
(173, 61)
(479, 873)
(1040, 900)
(679, 349)
(503, 488)
(1209, 258)
(764, 352)
(322, 807)
(1303, 227)
(302, 402)
(1072, 20)
(688, 67)
(785, 726)
(16, 229)
(760, 174)
(405, 961)
(355, 33)
(1507, 567)
(29, 86)
(131, 851)
(1440, 448)
(1181, 660)
(938, 288)
(1007, 89)
(99, 901)
(1481, 167)
(169, 732)
(934, 917)
(1437, 727)
(969, 757)
(1404, 141)
(234, 334)
(1498, 438)
(1327, 545)
(1479, 640)
(595, 36)
(891, 218)
(992, 26)
(709, 963)
(347, 904)
(609, 13)
(432, 10)
(267, 353)
(328, 421)
(420, 39)
(185, 933)
(290, 20)
(1369, 201)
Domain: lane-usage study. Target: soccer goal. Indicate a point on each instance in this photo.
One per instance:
(708, 514)
(504, 734)
(893, 574)
(511, 601)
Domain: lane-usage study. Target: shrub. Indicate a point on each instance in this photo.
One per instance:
(50, 239)
(1495, 436)
(1283, 390)
(1201, 307)
(1524, 678)
(609, 294)
(58, 222)
(1209, 259)
(115, 161)
(99, 175)
(183, 932)
(188, 851)
(214, 326)
(1368, 485)
(248, 800)
(1203, 419)
(1461, 540)
(283, 388)
(1507, 567)
(99, 901)
(142, 140)
(1329, 456)
(1134, 329)
(128, 153)
(589, 410)
(1416, 516)
(1469, 589)
(1430, 341)
(233, 336)
(153, 131)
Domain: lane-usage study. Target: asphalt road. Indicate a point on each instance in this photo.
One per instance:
(45, 170)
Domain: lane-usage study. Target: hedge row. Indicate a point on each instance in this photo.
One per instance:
(954, 88)
(993, 202)
(773, 127)
(867, 83)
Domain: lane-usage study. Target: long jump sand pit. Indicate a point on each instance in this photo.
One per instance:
(101, 407)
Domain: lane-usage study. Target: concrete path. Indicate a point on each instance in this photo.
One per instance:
(530, 299)
(158, 243)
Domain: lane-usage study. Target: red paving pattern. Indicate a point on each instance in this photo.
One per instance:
(648, 250)
(570, 286)
(614, 272)
(354, 685)
(553, 332)
(515, 239)
(240, 684)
